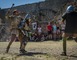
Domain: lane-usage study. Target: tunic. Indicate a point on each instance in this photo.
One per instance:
(71, 22)
(13, 22)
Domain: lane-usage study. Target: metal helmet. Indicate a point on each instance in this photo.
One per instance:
(70, 9)
(27, 16)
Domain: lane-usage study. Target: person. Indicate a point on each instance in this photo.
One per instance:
(62, 28)
(58, 32)
(34, 26)
(13, 20)
(54, 30)
(24, 33)
(39, 29)
(49, 30)
(70, 16)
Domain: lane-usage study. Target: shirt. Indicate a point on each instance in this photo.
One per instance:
(39, 29)
(34, 25)
(49, 27)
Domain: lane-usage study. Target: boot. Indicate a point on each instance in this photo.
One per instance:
(7, 49)
(23, 51)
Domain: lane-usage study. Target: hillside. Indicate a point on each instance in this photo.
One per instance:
(43, 11)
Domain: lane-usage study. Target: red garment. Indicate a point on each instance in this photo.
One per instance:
(49, 27)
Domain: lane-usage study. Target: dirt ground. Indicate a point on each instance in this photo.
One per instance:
(47, 50)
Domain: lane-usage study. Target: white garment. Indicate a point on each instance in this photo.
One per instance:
(34, 25)
(39, 29)
(63, 26)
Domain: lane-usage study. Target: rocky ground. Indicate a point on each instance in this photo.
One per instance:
(47, 50)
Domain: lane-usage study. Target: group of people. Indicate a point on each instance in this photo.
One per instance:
(37, 32)
(50, 31)
(54, 30)
(18, 27)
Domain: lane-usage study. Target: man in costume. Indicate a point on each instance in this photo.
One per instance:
(14, 21)
(24, 29)
(70, 16)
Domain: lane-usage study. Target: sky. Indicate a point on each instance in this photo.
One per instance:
(8, 3)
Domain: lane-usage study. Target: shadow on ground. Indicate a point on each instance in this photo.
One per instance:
(32, 53)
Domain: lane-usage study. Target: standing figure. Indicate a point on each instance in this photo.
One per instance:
(13, 21)
(24, 29)
(54, 30)
(49, 30)
(58, 32)
(62, 28)
(39, 31)
(70, 17)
